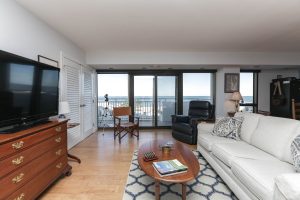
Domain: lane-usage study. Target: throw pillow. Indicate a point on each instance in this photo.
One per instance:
(295, 150)
(229, 127)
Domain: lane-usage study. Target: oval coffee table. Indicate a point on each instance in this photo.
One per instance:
(180, 152)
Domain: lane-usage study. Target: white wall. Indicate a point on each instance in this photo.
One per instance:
(264, 80)
(193, 58)
(221, 97)
(25, 35)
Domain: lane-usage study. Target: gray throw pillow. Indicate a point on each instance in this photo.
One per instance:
(229, 127)
(295, 150)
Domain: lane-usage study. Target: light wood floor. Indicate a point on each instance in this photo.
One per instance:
(104, 168)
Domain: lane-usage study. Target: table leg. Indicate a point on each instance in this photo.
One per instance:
(183, 191)
(157, 190)
(74, 157)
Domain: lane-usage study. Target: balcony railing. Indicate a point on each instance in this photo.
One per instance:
(144, 108)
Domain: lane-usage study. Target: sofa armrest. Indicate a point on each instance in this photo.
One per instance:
(287, 187)
(180, 118)
(205, 127)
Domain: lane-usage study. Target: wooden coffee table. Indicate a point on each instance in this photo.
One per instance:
(179, 152)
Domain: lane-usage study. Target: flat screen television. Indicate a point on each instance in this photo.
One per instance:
(28, 92)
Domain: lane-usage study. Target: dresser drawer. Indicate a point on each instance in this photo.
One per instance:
(34, 187)
(26, 173)
(23, 143)
(22, 158)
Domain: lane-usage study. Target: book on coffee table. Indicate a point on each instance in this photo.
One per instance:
(169, 167)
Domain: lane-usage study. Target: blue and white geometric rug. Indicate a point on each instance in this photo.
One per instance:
(207, 186)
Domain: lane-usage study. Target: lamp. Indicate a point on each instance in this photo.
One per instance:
(64, 108)
(229, 106)
(237, 97)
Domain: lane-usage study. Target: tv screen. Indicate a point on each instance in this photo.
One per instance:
(28, 90)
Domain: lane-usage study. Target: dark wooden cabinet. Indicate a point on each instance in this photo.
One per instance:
(32, 159)
(291, 90)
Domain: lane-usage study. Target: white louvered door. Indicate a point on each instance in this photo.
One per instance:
(87, 101)
(72, 77)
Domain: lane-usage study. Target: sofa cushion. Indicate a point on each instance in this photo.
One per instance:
(229, 152)
(287, 187)
(258, 175)
(229, 127)
(295, 150)
(206, 140)
(273, 135)
(249, 124)
(205, 127)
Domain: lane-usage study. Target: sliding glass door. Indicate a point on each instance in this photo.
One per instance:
(112, 92)
(154, 99)
(144, 99)
(153, 96)
(166, 99)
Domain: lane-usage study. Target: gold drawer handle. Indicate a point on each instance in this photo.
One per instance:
(59, 165)
(58, 139)
(18, 178)
(58, 152)
(21, 197)
(17, 145)
(58, 129)
(18, 161)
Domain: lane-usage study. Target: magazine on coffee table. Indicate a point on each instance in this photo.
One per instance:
(169, 167)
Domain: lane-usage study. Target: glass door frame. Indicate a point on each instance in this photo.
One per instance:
(155, 98)
(170, 72)
(255, 89)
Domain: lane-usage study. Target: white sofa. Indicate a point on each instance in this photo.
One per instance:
(250, 166)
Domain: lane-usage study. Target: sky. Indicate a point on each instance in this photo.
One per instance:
(113, 84)
(194, 84)
(246, 84)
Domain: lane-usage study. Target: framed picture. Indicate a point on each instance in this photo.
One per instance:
(48, 61)
(231, 82)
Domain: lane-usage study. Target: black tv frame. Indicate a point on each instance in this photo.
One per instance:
(21, 123)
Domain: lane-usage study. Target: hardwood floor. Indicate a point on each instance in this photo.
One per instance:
(104, 168)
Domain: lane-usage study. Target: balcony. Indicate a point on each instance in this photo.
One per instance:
(144, 108)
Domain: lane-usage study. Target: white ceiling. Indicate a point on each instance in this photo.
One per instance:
(174, 25)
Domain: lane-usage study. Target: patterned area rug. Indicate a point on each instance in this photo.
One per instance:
(207, 185)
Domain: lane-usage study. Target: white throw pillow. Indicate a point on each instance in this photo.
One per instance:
(229, 127)
(295, 150)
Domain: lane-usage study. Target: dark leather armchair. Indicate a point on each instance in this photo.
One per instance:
(184, 128)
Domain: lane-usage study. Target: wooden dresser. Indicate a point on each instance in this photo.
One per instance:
(32, 159)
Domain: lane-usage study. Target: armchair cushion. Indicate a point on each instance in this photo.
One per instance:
(201, 109)
(183, 128)
(180, 119)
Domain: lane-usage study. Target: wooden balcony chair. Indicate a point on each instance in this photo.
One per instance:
(122, 128)
(295, 110)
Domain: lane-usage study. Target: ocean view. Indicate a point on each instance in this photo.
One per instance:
(144, 108)
(247, 99)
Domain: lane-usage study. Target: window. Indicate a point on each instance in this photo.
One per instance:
(153, 95)
(248, 90)
(116, 87)
(196, 86)
(144, 99)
